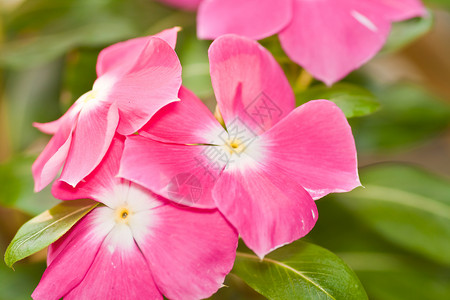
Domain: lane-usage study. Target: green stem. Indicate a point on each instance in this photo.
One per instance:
(303, 81)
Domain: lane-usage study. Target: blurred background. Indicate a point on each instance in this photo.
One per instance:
(394, 233)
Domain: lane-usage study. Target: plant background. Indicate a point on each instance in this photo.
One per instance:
(395, 233)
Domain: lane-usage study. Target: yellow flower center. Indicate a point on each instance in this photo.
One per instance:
(91, 95)
(235, 146)
(123, 214)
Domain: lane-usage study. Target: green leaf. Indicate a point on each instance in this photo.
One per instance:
(46, 228)
(405, 205)
(404, 33)
(408, 116)
(299, 271)
(16, 186)
(390, 276)
(20, 283)
(387, 271)
(355, 101)
(41, 30)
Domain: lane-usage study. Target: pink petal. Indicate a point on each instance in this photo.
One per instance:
(332, 38)
(120, 57)
(189, 251)
(255, 19)
(397, 10)
(184, 4)
(248, 83)
(183, 174)
(52, 158)
(99, 181)
(119, 271)
(92, 137)
(71, 258)
(315, 145)
(185, 122)
(267, 208)
(150, 84)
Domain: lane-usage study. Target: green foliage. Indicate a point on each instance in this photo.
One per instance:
(409, 115)
(19, 285)
(387, 269)
(404, 33)
(41, 30)
(46, 228)
(407, 206)
(355, 101)
(299, 271)
(16, 186)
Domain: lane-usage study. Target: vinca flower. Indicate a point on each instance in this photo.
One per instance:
(264, 169)
(329, 38)
(135, 79)
(136, 245)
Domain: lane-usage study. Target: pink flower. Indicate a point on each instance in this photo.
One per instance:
(136, 246)
(135, 79)
(264, 170)
(329, 38)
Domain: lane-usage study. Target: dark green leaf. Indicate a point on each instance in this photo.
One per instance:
(20, 283)
(387, 271)
(409, 115)
(299, 271)
(46, 228)
(389, 276)
(355, 101)
(405, 205)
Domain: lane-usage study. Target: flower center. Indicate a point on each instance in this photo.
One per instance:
(235, 146)
(89, 96)
(123, 214)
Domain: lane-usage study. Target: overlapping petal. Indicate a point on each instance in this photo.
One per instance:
(184, 122)
(189, 251)
(91, 139)
(97, 183)
(267, 208)
(184, 4)
(338, 37)
(150, 84)
(66, 270)
(52, 158)
(248, 83)
(119, 271)
(256, 19)
(397, 10)
(181, 173)
(120, 57)
(314, 146)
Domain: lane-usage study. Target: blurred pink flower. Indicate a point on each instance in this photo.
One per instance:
(329, 38)
(263, 171)
(136, 246)
(135, 79)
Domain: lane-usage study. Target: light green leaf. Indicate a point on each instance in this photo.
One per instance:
(407, 206)
(299, 271)
(355, 101)
(46, 228)
(404, 33)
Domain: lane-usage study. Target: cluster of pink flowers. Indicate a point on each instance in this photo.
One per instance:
(329, 38)
(178, 185)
